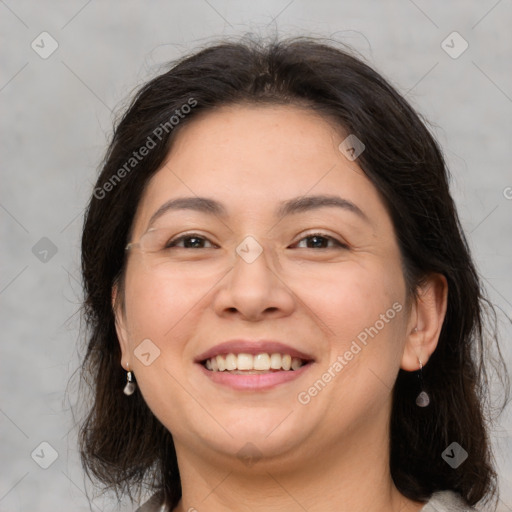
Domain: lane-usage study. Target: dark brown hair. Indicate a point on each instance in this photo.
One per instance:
(122, 443)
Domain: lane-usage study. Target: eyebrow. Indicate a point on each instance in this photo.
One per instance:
(306, 203)
(286, 208)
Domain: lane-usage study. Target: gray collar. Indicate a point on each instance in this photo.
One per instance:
(154, 504)
(447, 501)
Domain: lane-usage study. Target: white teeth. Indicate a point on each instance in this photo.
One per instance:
(259, 362)
(275, 361)
(245, 362)
(296, 363)
(231, 362)
(221, 362)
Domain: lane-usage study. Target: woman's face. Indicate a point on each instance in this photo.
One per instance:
(296, 263)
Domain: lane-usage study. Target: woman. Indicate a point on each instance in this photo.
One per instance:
(276, 276)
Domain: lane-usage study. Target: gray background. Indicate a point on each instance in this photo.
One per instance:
(57, 114)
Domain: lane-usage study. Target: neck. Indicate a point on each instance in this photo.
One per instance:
(352, 476)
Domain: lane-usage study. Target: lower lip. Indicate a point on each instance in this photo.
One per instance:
(254, 382)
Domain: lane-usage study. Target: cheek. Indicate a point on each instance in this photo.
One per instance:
(165, 312)
(159, 308)
(352, 296)
(363, 313)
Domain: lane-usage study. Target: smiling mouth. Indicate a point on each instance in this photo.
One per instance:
(247, 364)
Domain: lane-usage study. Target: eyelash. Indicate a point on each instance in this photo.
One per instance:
(172, 243)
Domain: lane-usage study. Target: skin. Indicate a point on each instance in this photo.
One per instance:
(331, 454)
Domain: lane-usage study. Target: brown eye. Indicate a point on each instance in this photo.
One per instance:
(321, 241)
(190, 241)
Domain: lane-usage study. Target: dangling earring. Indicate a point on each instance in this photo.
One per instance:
(130, 384)
(422, 400)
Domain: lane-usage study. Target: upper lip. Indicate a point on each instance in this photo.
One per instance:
(240, 346)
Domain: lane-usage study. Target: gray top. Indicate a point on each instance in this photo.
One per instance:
(447, 501)
(442, 501)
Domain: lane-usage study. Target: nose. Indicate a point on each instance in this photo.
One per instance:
(254, 290)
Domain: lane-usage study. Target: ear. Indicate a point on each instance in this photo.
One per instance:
(121, 329)
(426, 320)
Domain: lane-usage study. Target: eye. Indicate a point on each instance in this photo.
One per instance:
(312, 241)
(321, 241)
(190, 241)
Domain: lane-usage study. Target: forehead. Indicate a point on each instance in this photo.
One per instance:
(251, 158)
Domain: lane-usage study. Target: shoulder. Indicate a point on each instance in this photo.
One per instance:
(447, 501)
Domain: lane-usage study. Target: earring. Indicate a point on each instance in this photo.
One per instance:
(422, 400)
(130, 384)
